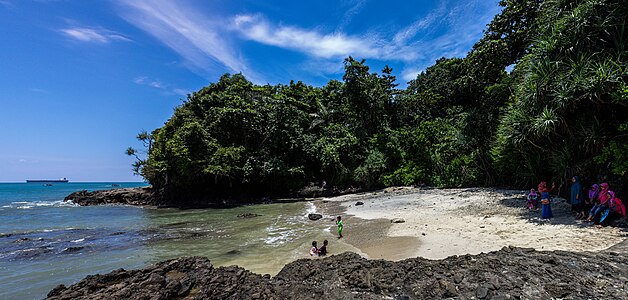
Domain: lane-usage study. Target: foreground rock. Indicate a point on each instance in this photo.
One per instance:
(511, 273)
(142, 196)
(314, 217)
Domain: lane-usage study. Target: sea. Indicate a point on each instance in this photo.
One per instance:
(45, 241)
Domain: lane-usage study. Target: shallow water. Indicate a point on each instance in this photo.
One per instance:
(45, 242)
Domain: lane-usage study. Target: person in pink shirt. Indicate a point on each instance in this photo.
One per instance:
(616, 209)
(601, 203)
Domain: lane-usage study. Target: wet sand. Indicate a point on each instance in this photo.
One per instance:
(369, 236)
(444, 222)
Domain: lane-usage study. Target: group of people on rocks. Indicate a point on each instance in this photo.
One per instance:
(600, 205)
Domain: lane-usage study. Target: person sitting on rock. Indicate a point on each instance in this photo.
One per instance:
(616, 209)
(314, 249)
(601, 203)
(322, 251)
(591, 201)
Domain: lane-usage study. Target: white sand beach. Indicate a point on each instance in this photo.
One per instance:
(445, 222)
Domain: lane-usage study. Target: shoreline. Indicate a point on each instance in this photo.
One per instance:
(460, 222)
(438, 223)
(449, 222)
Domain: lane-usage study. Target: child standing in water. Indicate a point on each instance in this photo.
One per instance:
(339, 223)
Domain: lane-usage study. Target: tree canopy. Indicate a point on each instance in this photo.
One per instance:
(542, 95)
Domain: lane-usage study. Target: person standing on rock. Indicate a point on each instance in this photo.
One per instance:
(576, 197)
(339, 223)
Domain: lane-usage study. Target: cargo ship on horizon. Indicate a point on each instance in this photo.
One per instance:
(64, 180)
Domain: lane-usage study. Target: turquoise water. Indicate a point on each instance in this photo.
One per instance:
(45, 241)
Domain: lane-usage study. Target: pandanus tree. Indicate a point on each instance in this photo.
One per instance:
(568, 105)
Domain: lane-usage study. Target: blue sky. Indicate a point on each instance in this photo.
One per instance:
(79, 79)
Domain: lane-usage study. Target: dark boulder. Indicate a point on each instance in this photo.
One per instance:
(314, 217)
(248, 215)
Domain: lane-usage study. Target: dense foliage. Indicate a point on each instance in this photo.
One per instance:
(543, 95)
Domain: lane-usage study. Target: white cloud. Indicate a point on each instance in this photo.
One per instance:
(207, 44)
(410, 73)
(355, 9)
(459, 26)
(181, 92)
(198, 39)
(429, 21)
(155, 83)
(38, 90)
(158, 84)
(256, 28)
(97, 35)
(140, 80)
(311, 42)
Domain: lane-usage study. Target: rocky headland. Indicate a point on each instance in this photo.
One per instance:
(156, 197)
(510, 273)
(140, 196)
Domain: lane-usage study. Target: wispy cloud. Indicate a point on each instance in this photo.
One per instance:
(158, 84)
(97, 35)
(256, 28)
(415, 42)
(354, 9)
(207, 44)
(37, 90)
(201, 43)
(182, 92)
(421, 24)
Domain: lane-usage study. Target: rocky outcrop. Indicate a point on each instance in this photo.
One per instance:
(248, 215)
(314, 217)
(141, 196)
(511, 273)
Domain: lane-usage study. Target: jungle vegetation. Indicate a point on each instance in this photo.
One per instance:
(542, 95)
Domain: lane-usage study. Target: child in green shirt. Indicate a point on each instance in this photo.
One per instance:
(339, 223)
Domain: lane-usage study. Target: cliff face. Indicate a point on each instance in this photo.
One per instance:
(505, 274)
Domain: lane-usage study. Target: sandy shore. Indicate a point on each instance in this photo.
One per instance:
(445, 222)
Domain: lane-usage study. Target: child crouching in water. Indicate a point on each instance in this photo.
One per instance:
(314, 249)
